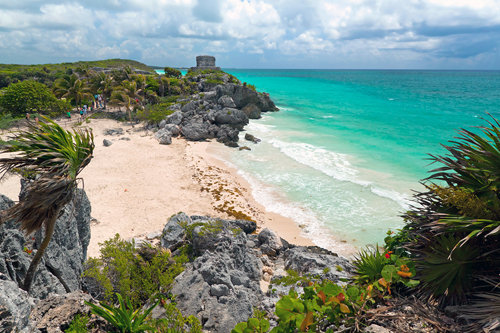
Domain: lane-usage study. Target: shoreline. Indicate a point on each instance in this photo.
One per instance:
(135, 186)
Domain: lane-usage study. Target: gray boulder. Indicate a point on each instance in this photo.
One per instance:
(173, 235)
(314, 260)
(162, 123)
(166, 139)
(221, 288)
(193, 105)
(234, 117)
(231, 144)
(226, 102)
(243, 96)
(195, 129)
(209, 235)
(210, 97)
(106, 143)
(227, 133)
(270, 242)
(113, 131)
(250, 137)
(15, 307)
(175, 118)
(252, 111)
(173, 129)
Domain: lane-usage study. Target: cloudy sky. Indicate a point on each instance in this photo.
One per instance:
(371, 34)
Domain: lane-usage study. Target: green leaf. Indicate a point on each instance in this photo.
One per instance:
(389, 273)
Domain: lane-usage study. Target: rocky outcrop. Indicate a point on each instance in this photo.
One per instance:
(252, 111)
(62, 264)
(223, 284)
(242, 96)
(15, 306)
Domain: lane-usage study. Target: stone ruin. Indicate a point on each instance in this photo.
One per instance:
(205, 62)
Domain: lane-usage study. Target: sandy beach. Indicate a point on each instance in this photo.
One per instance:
(135, 185)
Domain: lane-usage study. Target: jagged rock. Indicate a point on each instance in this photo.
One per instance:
(106, 143)
(195, 129)
(243, 96)
(62, 264)
(154, 235)
(55, 313)
(244, 148)
(231, 144)
(226, 102)
(210, 97)
(193, 105)
(175, 118)
(229, 265)
(234, 117)
(15, 307)
(227, 133)
(113, 131)
(173, 129)
(166, 139)
(162, 123)
(247, 226)
(208, 236)
(314, 260)
(252, 111)
(250, 137)
(270, 242)
(125, 139)
(173, 234)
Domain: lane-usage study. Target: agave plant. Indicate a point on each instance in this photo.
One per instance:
(57, 157)
(124, 318)
(369, 264)
(455, 228)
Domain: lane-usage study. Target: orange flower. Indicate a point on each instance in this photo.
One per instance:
(388, 254)
(404, 274)
(405, 268)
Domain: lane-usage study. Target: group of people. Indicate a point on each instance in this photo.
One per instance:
(28, 118)
(98, 102)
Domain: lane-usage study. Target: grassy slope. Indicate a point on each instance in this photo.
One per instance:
(110, 63)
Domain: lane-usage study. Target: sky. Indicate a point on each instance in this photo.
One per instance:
(323, 34)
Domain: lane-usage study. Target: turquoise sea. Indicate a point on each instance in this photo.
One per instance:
(348, 146)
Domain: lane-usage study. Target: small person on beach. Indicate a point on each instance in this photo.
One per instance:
(27, 116)
(81, 113)
(36, 120)
(69, 114)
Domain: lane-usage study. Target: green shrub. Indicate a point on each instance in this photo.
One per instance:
(169, 99)
(153, 114)
(6, 121)
(172, 72)
(141, 274)
(78, 324)
(27, 97)
(175, 322)
(124, 318)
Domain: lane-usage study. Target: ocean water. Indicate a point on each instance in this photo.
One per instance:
(347, 147)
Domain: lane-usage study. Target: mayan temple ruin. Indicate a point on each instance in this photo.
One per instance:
(205, 62)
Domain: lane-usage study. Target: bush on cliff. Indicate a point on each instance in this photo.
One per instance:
(453, 233)
(153, 114)
(141, 274)
(172, 72)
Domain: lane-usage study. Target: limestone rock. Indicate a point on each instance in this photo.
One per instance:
(15, 307)
(173, 129)
(243, 96)
(106, 143)
(113, 131)
(195, 129)
(270, 242)
(175, 118)
(227, 133)
(166, 139)
(173, 234)
(221, 287)
(252, 111)
(376, 329)
(234, 117)
(226, 102)
(55, 313)
(244, 148)
(250, 137)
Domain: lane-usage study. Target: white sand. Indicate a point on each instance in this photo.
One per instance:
(135, 186)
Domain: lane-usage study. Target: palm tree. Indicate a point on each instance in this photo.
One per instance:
(57, 157)
(123, 74)
(127, 95)
(103, 83)
(85, 70)
(71, 88)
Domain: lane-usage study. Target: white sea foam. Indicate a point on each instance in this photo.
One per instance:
(335, 165)
(328, 117)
